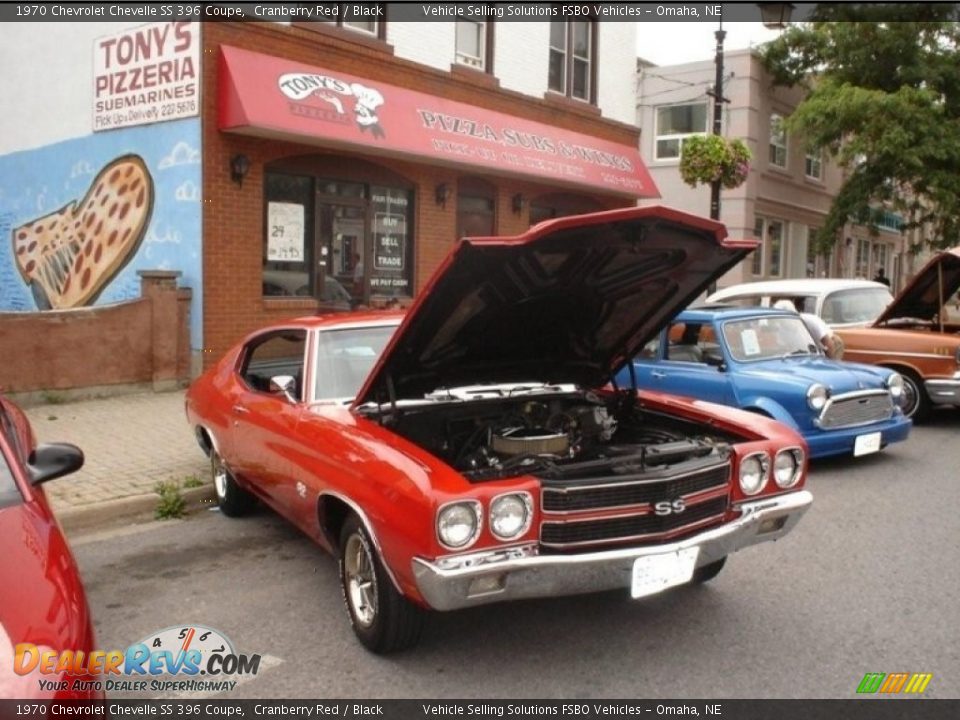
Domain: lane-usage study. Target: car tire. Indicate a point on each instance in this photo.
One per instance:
(232, 499)
(706, 573)
(383, 620)
(916, 404)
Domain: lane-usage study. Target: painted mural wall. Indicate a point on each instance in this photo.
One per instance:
(106, 181)
(80, 217)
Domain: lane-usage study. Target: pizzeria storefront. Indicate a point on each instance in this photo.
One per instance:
(333, 186)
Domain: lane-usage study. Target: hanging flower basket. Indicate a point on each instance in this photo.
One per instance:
(709, 158)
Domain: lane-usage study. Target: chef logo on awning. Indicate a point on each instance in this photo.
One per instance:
(337, 93)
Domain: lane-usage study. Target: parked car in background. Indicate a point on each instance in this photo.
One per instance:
(293, 283)
(840, 303)
(473, 450)
(916, 336)
(42, 602)
(765, 361)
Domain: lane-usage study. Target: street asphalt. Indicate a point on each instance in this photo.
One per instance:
(867, 582)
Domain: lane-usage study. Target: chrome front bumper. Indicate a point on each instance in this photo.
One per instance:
(519, 572)
(943, 392)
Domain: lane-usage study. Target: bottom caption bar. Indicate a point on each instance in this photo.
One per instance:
(873, 709)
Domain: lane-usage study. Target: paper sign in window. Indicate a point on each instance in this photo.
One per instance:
(285, 232)
(750, 342)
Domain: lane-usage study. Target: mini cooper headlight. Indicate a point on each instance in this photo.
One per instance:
(458, 524)
(510, 515)
(753, 473)
(895, 385)
(817, 396)
(786, 468)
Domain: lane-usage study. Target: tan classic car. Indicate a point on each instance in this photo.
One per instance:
(916, 337)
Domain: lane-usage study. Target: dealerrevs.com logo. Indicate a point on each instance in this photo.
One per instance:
(181, 658)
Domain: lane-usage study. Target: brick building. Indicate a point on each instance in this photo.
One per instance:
(305, 166)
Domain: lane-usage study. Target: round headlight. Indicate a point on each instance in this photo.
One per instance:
(786, 468)
(753, 474)
(895, 385)
(817, 396)
(510, 515)
(458, 524)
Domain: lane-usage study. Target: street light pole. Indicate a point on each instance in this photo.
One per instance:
(718, 101)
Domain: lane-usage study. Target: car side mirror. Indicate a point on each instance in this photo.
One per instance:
(715, 361)
(285, 385)
(53, 460)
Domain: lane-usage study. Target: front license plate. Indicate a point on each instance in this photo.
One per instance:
(866, 444)
(656, 573)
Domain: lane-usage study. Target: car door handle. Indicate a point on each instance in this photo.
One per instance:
(658, 374)
(240, 410)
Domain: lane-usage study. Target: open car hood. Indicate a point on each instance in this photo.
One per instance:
(930, 289)
(569, 301)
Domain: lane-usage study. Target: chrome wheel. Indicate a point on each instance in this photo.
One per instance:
(361, 580)
(219, 471)
(914, 403)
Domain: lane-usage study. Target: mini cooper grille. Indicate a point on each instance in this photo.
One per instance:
(623, 528)
(585, 497)
(859, 409)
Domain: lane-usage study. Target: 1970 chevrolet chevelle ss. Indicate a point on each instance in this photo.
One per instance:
(475, 450)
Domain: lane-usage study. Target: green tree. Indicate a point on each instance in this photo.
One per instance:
(884, 100)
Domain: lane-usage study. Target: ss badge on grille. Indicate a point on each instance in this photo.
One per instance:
(666, 507)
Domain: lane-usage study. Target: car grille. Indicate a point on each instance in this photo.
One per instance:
(594, 497)
(632, 527)
(854, 409)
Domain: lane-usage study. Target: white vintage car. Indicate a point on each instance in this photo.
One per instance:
(841, 303)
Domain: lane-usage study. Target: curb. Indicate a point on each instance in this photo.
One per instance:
(133, 509)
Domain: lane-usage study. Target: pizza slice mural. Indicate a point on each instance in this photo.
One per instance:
(68, 257)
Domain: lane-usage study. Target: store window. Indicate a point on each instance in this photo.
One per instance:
(756, 263)
(778, 142)
(817, 263)
(771, 234)
(863, 259)
(547, 207)
(572, 59)
(675, 123)
(345, 242)
(476, 208)
(474, 44)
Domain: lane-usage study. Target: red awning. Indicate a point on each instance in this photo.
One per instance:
(273, 97)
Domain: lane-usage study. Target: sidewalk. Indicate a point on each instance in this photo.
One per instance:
(131, 442)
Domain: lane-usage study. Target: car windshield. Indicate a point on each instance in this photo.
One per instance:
(768, 337)
(857, 305)
(346, 357)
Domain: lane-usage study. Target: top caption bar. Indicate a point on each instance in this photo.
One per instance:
(392, 12)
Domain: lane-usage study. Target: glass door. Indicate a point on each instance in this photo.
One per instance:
(342, 249)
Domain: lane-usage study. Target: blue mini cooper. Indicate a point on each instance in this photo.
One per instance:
(765, 361)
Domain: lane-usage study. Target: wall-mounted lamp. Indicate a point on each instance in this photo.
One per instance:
(517, 202)
(442, 193)
(239, 167)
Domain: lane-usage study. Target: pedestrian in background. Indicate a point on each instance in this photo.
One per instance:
(881, 277)
(827, 341)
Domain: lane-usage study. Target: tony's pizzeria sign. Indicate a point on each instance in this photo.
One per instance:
(265, 95)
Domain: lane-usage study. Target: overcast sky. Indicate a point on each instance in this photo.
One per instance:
(666, 43)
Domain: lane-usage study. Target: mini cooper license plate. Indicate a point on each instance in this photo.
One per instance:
(655, 573)
(866, 444)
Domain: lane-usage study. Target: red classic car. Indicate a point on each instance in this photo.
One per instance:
(475, 450)
(42, 603)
